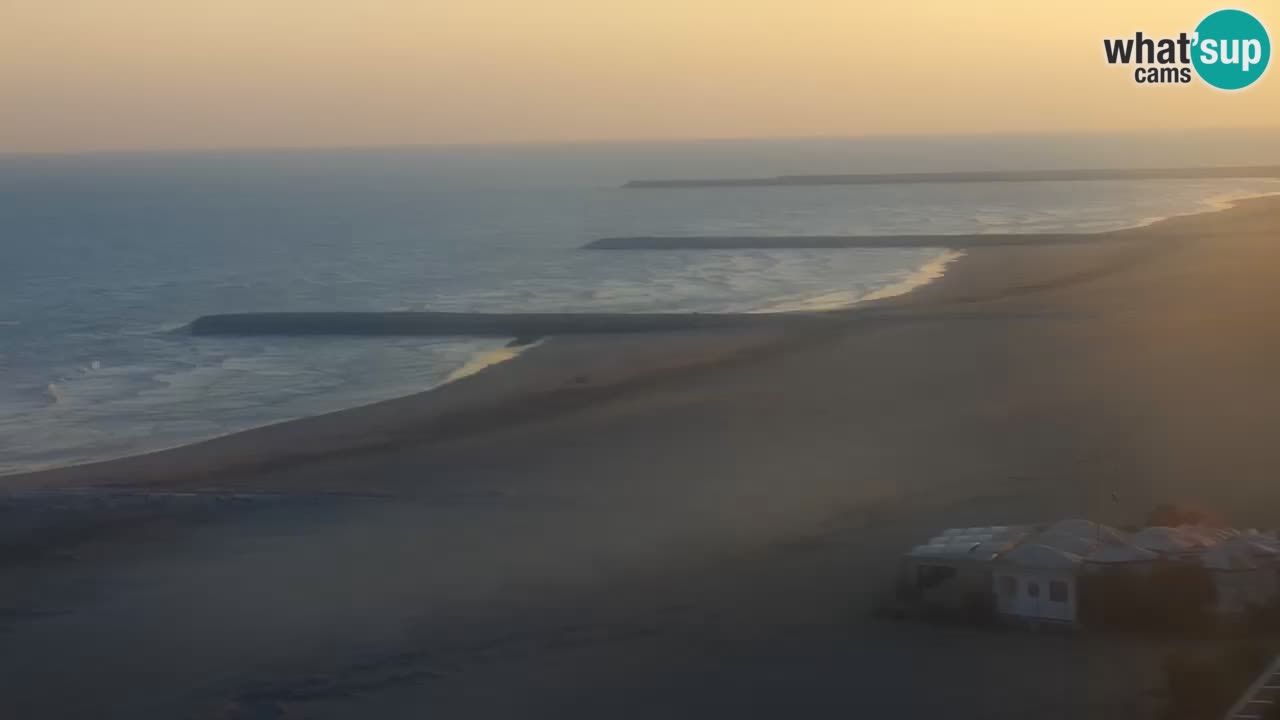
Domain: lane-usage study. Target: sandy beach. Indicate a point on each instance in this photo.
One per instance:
(681, 525)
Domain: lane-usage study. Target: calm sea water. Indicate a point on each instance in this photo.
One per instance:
(102, 256)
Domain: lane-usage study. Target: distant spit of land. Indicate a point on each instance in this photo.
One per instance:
(1177, 173)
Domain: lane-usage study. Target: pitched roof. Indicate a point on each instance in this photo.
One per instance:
(1039, 556)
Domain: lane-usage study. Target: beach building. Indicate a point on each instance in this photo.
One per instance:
(1244, 571)
(1120, 556)
(1033, 573)
(1035, 581)
(952, 571)
(1038, 579)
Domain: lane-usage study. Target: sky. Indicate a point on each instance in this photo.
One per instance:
(91, 75)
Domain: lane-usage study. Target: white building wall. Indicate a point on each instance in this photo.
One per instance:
(1238, 590)
(1036, 595)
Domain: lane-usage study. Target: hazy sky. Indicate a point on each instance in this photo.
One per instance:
(121, 74)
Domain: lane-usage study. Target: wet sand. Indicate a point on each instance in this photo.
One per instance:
(689, 526)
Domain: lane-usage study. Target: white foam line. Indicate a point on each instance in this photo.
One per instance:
(1216, 203)
(478, 361)
(926, 274)
(481, 360)
(838, 300)
(937, 267)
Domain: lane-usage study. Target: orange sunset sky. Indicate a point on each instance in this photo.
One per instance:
(153, 74)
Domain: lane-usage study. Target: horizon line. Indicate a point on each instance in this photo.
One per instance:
(599, 142)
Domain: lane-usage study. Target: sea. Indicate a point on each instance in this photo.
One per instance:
(105, 257)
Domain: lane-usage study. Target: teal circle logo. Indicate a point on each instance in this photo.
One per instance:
(1231, 49)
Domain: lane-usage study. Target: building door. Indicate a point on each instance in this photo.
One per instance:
(1037, 596)
(1034, 601)
(1059, 602)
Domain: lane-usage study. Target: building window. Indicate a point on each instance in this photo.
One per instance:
(1008, 586)
(1057, 591)
(1033, 589)
(928, 576)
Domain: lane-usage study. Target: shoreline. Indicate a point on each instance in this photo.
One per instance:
(924, 275)
(1217, 203)
(477, 362)
(511, 391)
(554, 366)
